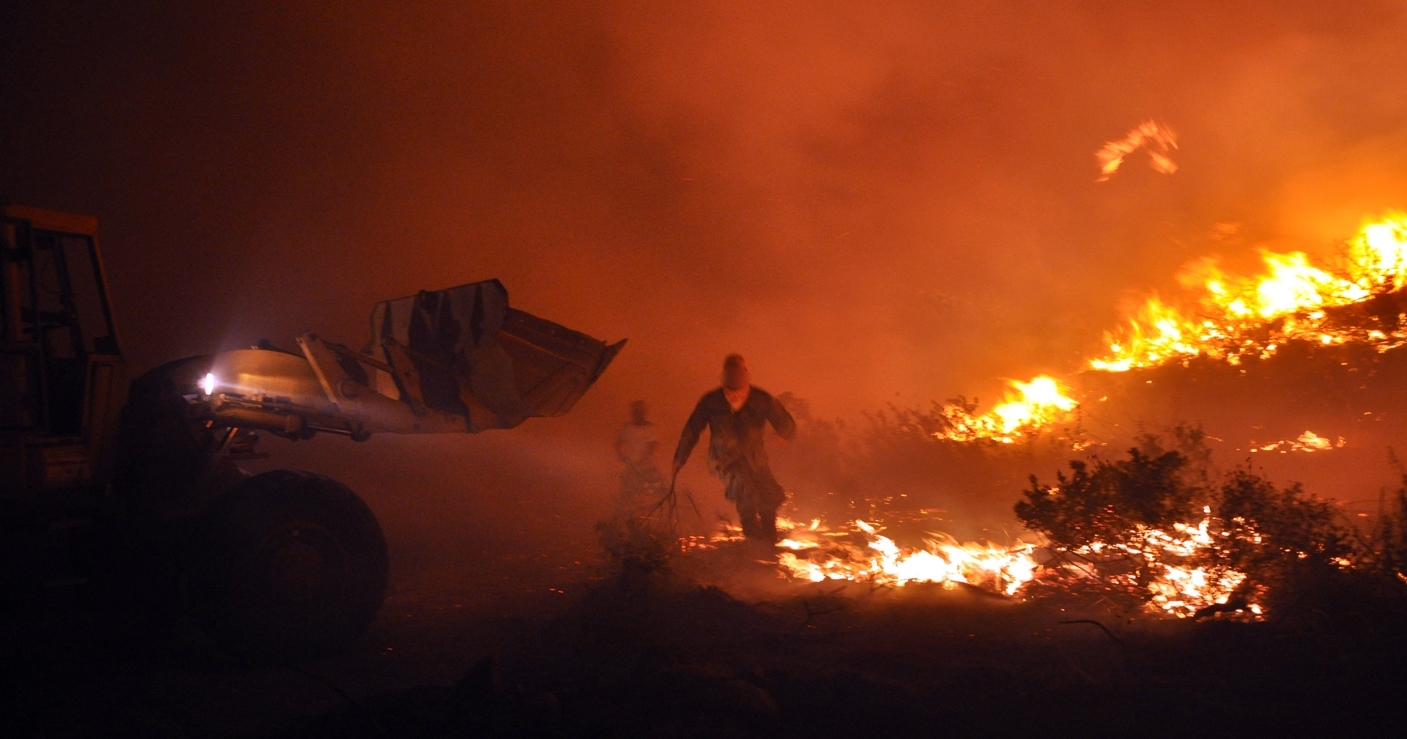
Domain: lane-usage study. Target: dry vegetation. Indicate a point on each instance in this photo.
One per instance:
(654, 650)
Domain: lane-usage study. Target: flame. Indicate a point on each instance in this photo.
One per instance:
(1377, 256)
(1026, 408)
(1157, 140)
(1289, 297)
(1182, 591)
(859, 552)
(1233, 317)
(1175, 587)
(817, 554)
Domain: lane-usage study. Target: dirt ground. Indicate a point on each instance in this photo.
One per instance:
(504, 619)
(78, 679)
(553, 643)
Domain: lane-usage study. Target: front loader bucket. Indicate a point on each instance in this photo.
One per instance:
(552, 365)
(474, 356)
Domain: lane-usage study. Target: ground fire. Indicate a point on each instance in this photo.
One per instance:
(1228, 318)
(816, 554)
(1028, 408)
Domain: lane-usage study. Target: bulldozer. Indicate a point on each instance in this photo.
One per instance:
(134, 490)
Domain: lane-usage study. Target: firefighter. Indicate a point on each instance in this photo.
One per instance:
(736, 415)
(640, 482)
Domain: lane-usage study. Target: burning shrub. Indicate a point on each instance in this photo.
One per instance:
(1132, 526)
(901, 463)
(1127, 527)
(1110, 504)
(1267, 530)
(1291, 547)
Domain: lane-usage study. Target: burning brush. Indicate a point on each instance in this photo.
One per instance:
(860, 552)
(1357, 299)
(1153, 533)
(1146, 528)
(1028, 408)
(1134, 528)
(1238, 317)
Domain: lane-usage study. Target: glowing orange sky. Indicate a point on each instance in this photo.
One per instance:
(894, 198)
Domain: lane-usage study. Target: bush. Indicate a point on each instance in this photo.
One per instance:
(637, 546)
(1109, 503)
(1386, 548)
(894, 465)
(1267, 530)
(1147, 526)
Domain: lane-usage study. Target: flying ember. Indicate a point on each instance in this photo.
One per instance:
(1157, 140)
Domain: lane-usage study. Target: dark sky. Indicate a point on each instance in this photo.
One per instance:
(865, 198)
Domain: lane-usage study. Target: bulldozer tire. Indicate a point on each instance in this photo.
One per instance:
(290, 564)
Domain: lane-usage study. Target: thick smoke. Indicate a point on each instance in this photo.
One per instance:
(870, 201)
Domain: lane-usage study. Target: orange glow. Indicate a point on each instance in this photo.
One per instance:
(1233, 317)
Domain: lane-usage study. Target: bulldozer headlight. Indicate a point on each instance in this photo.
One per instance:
(207, 384)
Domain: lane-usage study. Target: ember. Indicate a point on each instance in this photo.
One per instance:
(859, 552)
(1177, 584)
(817, 553)
(1148, 135)
(1306, 442)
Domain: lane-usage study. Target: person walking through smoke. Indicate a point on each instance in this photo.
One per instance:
(640, 482)
(736, 416)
